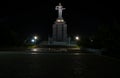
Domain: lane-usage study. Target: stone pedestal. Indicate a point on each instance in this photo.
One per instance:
(60, 30)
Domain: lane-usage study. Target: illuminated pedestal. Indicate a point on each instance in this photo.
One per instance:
(60, 30)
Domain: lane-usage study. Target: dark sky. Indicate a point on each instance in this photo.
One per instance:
(27, 17)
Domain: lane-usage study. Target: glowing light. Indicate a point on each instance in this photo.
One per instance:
(77, 38)
(58, 20)
(35, 37)
(33, 40)
(34, 49)
(62, 20)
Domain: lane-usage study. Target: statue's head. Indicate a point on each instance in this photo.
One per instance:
(60, 4)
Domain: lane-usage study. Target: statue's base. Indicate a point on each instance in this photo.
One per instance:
(56, 43)
(53, 46)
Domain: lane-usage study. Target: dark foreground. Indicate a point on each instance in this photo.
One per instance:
(57, 65)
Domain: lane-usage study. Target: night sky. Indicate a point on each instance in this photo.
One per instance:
(36, 17)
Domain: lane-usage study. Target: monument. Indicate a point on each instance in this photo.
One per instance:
(59, 34)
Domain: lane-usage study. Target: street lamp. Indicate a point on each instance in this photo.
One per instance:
(32, 40)
(35, 37)
(77, 38)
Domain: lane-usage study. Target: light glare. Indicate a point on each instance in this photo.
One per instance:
(34, 49)
(33, 40)
(35, 37)
(77, 38)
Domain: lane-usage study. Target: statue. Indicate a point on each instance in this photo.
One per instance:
(60, 9)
